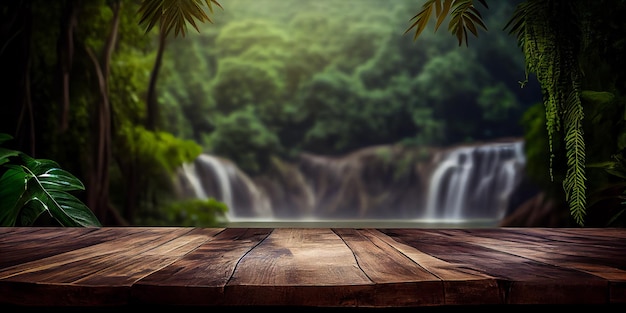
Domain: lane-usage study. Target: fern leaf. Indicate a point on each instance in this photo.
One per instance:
(575, 179)
(574, 182)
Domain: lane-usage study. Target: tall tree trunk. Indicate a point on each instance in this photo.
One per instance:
(98, 181)
(65, 56)
(152, 106)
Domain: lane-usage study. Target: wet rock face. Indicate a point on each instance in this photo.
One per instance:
(374, 183)
(382, 182)
(538, 211)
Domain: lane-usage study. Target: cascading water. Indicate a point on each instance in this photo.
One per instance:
(463, 183)
(188, 170)
(475, 182)
(223, 175)
(210, 176)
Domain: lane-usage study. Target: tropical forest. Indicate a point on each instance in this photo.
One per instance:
(214, 112)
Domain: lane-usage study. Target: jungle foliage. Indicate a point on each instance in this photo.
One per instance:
(75, 78)
(573, 48)
(274, 78)
(260, 79)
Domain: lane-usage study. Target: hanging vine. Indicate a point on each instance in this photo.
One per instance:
(550, 41)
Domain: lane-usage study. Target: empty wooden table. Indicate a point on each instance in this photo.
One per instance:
(113, 267)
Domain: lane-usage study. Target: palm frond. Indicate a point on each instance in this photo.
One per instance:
(463, 17)
(209, 4)
(175, 14)
(421, 18)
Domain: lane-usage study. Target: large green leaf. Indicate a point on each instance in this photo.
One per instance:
(29, 187)
(48, 189)
(30, 213)
(71, 210)
(61, 205)
(51, 176)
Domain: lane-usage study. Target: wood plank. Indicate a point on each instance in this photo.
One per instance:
(310, 267)
(200, 277)
(559, 236)
(27, 244)
(46, 269)
(399, 280)
(598, 258)
(608, 233)
(31, 243)
(133, 265)
(522, 280)
(595, 250)
(65, 277)
(461, 285)
(604, 238)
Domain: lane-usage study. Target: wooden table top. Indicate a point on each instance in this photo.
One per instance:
(310, 267)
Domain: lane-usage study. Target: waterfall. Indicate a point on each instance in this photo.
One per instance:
(475, 182)
(211, 176)
(188, 170)
(462, 183)
(223, 175)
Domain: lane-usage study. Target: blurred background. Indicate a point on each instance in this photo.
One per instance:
(332, 112)
(281, 111)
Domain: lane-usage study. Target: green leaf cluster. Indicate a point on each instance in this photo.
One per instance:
(175, 14)
(147, 162)
(157, 149)
(29, 187)
(244, 129)
(464, 17)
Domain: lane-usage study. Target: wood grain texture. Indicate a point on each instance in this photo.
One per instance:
(112, 265)
(522, 280)
(200, 277)
(298, 266)
(461, 285)
(311, 267)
